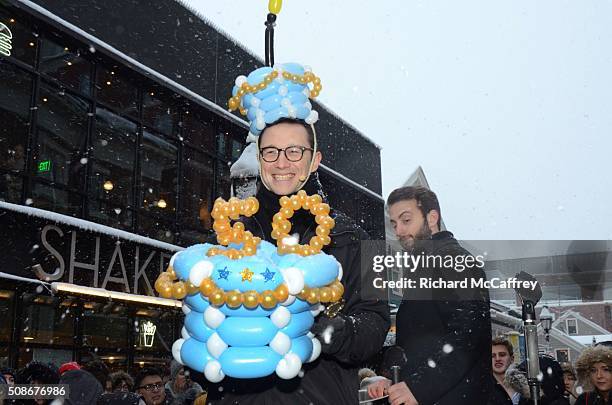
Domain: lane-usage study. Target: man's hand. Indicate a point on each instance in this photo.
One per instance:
(331, 332)
(377, 389)
(400, 394)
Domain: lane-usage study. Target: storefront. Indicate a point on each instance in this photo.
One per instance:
(114, 142)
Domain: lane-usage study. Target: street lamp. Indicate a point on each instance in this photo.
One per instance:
(546, 318)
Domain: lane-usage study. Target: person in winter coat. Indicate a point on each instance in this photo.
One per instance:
(183, 389)
(594, 369)
(445, 333)
(288, 159)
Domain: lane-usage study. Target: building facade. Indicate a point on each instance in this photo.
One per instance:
(115, 141)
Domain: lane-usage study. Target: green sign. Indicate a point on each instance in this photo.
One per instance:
(44, 166)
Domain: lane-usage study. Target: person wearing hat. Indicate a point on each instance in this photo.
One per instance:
(283, 132)
(9, 375)
(569, 379)
(594, 369)
(72, 365)
(182, 388)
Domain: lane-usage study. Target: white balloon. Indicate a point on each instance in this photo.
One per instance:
(291, 240)
(185, 308)
(317, 310)
(173, 258)
(294, 279)
(213, 372)
(176, 350)
(312, 117)
(281, 343)
(213, 317)
(289, 366)
(185, 334)
(340, 271)
(316, 350)
(283, 90)
(290, 300)
(240, 80)
(215, 345)
(280, 317)
(200, 271)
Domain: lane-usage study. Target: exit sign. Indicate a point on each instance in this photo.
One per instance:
(44, 166)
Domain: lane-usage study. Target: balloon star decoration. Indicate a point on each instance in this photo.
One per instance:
(249, 305)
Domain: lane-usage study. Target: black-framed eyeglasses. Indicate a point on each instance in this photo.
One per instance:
(151, 387)
(293, 153)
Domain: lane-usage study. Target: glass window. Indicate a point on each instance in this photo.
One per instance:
(196, 197)
(562, 355)
(43, 355)
(158, 114)
(155, 228)
(62, 133)
(56, 200)
(113, 151)
(153, 331)
(224, 183)
(66, 65)
(4, 356)
(110, 214)
(23, 40)
(199, 129)
(15, 93)
(159, 175)
(115, 359)
(6, 314)
(105, 325)
(47, 320)
(572, 327)
(116, 91)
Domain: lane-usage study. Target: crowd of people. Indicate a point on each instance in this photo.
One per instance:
(93, 383)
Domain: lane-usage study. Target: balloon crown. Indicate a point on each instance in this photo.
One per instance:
(268, 94)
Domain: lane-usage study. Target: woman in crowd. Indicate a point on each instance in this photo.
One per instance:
(594, 370)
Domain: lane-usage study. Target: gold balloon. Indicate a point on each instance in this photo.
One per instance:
(171, 273)
(191, 289)
(276, 234)
(217, 298)
(339, 286)
(212, 252)
(178, 290)
(295, 203)
(335, 294)
(321, 209)
(250, 299)
(233, 299)
(284, 226)
(207, 287)
(322, 231)
(315, 243)
(281, 293)
(319, 219)
(221, 227)
(277, 218)
(224, 238)
(328, 222)
(313, 296)
(287, 212)
(285, 201)
(304, 293)
(166, 290)
(326, 240)
(268, 301)
(325, 294)
(232, 103)
(249, 249)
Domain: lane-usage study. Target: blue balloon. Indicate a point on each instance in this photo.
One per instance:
(302, 346)
(187, 258)
(196, 302)
(195, 355)
(299, 305)
(319, 270)
(195, 325)
(299, 325)
(247, 332)
(249, 362)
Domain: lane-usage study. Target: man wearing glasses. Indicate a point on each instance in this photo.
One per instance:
(150, 386)
(288, 162)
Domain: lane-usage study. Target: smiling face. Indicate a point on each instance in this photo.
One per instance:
(500, 358)
(283, 176)
(601, 377)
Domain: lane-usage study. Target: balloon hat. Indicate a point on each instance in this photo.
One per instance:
(276, 91)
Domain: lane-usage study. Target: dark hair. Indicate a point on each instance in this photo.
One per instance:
(292, 121)
(146, 372)
(502, 341)
(426, 199)
(39, 372)
(118, 377)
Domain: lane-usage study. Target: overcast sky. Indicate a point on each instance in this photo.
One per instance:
(507, 105)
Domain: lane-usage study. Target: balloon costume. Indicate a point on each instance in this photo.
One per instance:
(249, 305)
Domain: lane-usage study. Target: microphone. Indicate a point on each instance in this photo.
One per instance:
(529, 299)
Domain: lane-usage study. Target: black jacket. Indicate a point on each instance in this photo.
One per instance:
(447, 341)
(332, 379)
(593, 398)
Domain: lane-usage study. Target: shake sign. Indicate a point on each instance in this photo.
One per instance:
(6, 36)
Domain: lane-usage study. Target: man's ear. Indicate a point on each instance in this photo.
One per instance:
(316, 161)
(432, 221)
